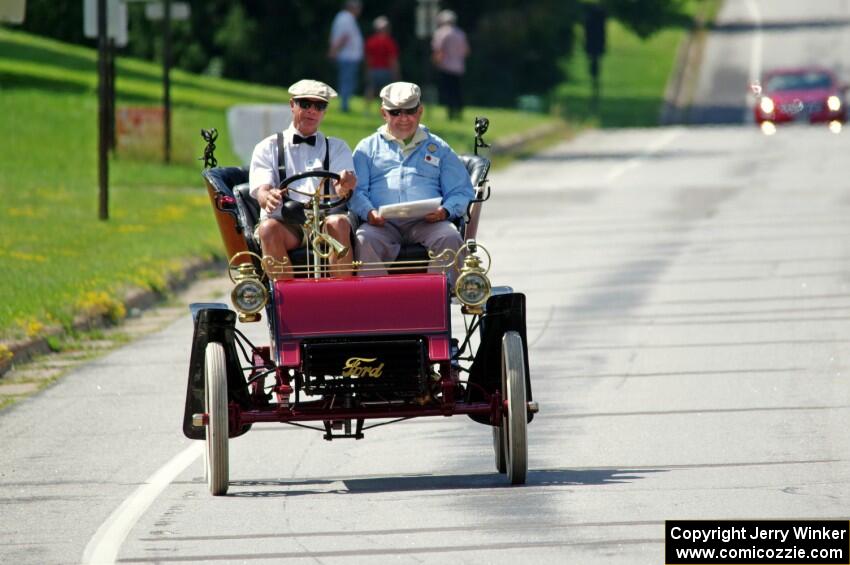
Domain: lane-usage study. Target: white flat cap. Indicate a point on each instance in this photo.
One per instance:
(308, 88)
(400, 95)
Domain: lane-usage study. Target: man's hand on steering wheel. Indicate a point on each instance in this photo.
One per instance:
(346, 183)
(270, 198)
(326, 202)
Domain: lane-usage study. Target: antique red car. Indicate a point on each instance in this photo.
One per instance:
(345, 352)
(811, 94)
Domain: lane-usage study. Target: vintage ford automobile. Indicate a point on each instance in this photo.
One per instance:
(349, 353)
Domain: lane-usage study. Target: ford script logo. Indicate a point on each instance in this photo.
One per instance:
(355, 367)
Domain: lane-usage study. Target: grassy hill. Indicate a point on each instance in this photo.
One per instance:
(57, 259)
(633, 75)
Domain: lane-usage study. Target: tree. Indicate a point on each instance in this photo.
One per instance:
(510, 58)
(516, 47)
(59, 20)
(645, 17)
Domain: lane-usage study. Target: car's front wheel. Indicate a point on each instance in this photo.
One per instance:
(217, 458)
(515, 415)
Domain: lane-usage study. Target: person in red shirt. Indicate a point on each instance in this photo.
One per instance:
(381, 58)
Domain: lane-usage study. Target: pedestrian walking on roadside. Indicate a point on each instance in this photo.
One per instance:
(381, 58)
(449, 50)
(346, 49)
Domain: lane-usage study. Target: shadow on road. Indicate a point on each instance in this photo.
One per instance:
(716, 114)
(618, 156)
(794, 25)
(535, 478)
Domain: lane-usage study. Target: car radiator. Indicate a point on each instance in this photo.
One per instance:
(389, 368)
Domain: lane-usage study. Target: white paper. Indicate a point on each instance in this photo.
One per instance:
(413, 209)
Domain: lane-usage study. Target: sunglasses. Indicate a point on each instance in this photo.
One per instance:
(407, 111)
(307, 104)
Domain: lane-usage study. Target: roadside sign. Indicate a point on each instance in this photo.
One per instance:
(13, 11)
(116, 20)
(139, 131)
(156, 11)
(426, 17)
(247, 124)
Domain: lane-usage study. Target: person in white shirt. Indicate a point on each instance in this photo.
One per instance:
(304, 148)
(346, 48)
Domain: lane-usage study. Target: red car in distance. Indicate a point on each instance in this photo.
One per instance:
(811, 94)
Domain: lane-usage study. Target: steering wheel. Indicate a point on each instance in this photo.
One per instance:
(330, 201)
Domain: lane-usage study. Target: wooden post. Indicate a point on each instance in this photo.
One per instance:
(166, 81)
(103, 118)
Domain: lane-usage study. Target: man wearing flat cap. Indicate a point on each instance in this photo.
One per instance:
(403, 162)
(301, 148)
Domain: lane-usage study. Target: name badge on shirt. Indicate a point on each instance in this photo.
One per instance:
(432, 160)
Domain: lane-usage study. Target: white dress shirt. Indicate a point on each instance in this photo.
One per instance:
(299, 158)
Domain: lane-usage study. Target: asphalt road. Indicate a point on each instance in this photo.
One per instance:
(689, 322)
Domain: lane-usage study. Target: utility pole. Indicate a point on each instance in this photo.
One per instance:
(102, 114)
(110, 109)
(594, 46)
(426, 17)
(166, 81)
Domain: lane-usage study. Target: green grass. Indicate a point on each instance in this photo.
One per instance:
(56, 258)
(631, 93)
(633, 76)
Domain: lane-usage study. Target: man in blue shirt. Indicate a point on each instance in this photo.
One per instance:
(404, 162)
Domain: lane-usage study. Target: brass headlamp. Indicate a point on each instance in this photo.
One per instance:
(249, 296)
(472, 287)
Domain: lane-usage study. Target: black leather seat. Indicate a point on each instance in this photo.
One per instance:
(477, 167)
(233, 182)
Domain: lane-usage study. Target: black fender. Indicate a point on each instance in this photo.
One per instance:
(503, 313)
(213, 323)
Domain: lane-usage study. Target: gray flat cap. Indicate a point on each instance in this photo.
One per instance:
(308, 88)
(400, 95)
(446, 17)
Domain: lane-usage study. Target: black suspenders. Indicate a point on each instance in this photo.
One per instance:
(281, 162)
(281, 157)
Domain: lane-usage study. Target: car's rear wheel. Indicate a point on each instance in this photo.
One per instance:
(498, 442)
(216, 458)
(515, 416)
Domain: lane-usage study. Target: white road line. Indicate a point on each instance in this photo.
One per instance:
(654, 147)
(755, 58)
(103, 547)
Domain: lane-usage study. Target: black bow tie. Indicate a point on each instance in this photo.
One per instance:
(310, 140)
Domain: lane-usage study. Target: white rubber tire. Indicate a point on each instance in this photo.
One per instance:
(514, 430)
(498, 442)
(217, 459)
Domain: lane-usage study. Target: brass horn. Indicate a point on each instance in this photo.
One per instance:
(323, 245)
